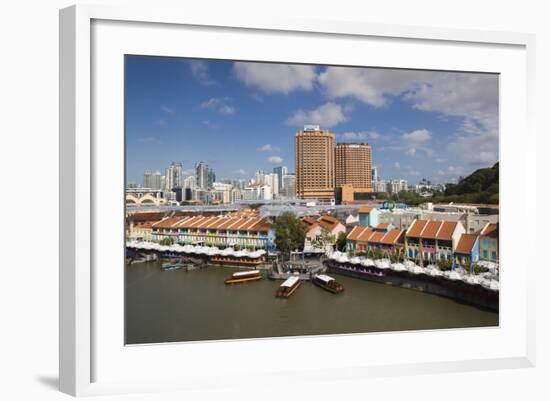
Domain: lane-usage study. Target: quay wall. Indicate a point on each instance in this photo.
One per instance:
(472, 294)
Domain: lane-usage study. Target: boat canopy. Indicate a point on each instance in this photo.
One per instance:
(324, 277)
(239, 274)
(289, 282)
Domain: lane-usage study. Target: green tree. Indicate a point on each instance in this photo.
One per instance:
(341, 241)
(167, 241)
(290, 233)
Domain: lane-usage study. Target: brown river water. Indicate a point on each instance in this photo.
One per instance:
(169, 306)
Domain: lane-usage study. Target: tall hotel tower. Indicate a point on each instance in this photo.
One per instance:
(314, 151)
(354, 166)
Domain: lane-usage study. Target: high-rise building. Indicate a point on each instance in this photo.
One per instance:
(152, 180)
(211, 177)
(190, 182)
(289, 186)
(281, 171)
(201, 172)
(398, 185)
(273, 181)
(374, 174)
(353, 162)
(173, 176)
(314, 154)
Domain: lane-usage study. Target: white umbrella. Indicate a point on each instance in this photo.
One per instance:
(453, 275)
(398, 267)
(416, 269)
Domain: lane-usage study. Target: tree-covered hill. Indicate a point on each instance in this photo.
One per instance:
(479, 187)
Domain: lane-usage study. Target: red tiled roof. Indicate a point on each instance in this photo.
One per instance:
(365, 210)
(416, 228)
(216, 223)
(366, 234)
(376, 237)
(430, 229)
(466, 243)
(393, 237)
(382, 226)
(146, 216)
(169, 222)
(328, 222)
(490, 230)
(309, 220)
(357, 232)
(446, 231)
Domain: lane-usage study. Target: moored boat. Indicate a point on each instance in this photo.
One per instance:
(234, 261)
(328, 283)
(172, 266)
(288, 287)
(240, 277)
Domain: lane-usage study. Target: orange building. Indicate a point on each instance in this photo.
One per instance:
(353, 166)
(314, 153)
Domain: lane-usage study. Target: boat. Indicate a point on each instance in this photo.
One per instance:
(328, 283)
(241, 277)
(288, 287)
(172, 266)
(233, 261)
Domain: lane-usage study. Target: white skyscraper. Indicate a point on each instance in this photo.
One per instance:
(281, 172)
(289, 186)
(173, 176)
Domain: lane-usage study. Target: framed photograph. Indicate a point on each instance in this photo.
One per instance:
(258, 189)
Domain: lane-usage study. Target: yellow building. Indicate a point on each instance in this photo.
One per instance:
(488, 242)
(314, 154)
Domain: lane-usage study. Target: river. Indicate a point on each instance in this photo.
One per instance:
(168, 306)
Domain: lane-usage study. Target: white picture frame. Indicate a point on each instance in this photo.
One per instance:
(82, 344)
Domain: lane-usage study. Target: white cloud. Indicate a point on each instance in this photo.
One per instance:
(199, 69)
(369, 85)
(397, 165)
(218, 105)
(268, 148)
(469, 96)
(167, 109)
(417, 136)
(328, 115)
(416, 140)
(276, 78)
(275, 159)
(360, 136)
(239, 171)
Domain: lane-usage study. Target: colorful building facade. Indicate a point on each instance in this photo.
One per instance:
(221, 231)
(488, 242)
(383, 238)
(432, 240)
(368, 216)
(466, 253)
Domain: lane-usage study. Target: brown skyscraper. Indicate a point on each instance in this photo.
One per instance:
(314, 152)
(353, 163)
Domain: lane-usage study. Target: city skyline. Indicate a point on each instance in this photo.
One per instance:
(241, 117)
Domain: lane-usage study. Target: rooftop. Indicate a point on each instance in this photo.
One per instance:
(466, 243)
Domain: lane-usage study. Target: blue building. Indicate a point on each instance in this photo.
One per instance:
(368, 216)
(466, 253)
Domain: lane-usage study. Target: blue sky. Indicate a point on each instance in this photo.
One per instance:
(241, 117)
